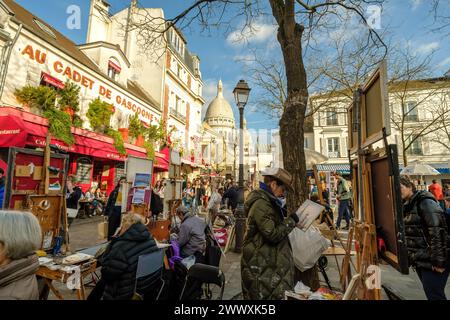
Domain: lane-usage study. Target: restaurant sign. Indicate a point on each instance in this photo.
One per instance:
(104, 91)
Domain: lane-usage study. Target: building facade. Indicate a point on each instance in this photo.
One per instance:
(158, 61)
(419, 114)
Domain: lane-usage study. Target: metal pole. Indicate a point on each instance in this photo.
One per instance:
(241, 147)
(239, 213)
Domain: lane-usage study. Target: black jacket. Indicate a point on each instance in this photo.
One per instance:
(119, 264)
(156, 204)
(74, 198)
(233, 195)
(111, 201)
(426, 232)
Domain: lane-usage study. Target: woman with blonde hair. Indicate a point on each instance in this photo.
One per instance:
(20, 237)
(119, 263)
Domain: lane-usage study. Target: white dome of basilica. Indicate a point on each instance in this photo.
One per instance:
(219, 112)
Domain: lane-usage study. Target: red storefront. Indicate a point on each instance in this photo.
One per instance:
(93, 157)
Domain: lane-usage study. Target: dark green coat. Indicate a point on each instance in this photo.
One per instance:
(267, 266)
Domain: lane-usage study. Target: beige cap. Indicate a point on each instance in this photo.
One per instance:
(280, 174)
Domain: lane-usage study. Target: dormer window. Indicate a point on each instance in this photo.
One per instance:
(178, 43)
(114, 69)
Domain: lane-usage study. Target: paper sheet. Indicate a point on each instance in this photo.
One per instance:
(307, 213)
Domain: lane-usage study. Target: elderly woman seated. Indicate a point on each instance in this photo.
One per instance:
(20, 237)
(120, 260)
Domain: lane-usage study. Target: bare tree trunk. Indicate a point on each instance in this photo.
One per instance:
(291, 123)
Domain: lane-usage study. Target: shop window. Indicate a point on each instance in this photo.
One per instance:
(84, 170)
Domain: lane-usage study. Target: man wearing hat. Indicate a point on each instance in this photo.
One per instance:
(267, 265)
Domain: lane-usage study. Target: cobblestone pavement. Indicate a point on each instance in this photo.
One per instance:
(83, 234)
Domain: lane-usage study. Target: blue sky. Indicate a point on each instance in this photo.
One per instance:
(408, 21)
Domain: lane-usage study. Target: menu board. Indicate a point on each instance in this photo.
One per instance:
(119, 172)
(84, 170)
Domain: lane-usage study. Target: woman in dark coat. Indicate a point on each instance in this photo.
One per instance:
(120, 260)
(267, 265)
(426, 238)
(113, 209)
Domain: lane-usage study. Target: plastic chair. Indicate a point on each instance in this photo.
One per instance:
(206, 275)
(149, 264)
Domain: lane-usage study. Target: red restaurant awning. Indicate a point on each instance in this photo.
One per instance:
(16, 131)
(52, 80)
(162, 160)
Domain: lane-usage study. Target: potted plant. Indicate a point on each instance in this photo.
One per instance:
(99, 115)
(69, 99)
(136, 129)
(42, 100)
(123, 125)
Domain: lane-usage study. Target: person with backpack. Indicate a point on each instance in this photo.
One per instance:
(113, 208)
(427, 239)
(344, 196)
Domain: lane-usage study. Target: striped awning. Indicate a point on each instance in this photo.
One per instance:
(343, 168)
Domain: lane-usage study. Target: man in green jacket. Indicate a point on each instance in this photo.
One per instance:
(267, 265)
(344, 196)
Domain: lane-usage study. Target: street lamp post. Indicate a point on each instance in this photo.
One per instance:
(241, 94)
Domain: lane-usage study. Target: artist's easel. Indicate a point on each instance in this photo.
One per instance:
(369, 100)
(346, 272)
(44, 190)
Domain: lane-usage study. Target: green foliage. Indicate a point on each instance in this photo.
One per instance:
(99, 115)
(118, 140)
(43, 98)
(69, 96)
(155, 133)
(77, 122)
(150, 147)
(135, 127)
(60, 125)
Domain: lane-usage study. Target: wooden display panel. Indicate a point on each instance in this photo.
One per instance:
(375, 114)
(48, 211)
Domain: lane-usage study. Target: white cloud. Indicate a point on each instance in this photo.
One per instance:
(258, 32)
(415, 4)
(427, 48)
